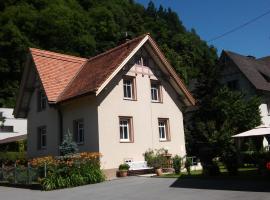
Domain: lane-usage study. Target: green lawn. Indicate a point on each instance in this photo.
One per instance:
(244, 174)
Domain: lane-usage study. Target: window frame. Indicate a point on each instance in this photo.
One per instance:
(42, 136)
(79, 132)
(130, 130)
(132, 86)
(41, 100)
(158, 89)
(166, 127)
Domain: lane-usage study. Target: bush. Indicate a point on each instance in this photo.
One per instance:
(177, 162)
(11, 157)
(264, 163)
(124, 167)
(230, 159)
(155, 158)
(68, 146)
(70, 171)
(188, 164)
(210, 168)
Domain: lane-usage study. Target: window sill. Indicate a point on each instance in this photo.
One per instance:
(126, 141)
(164, 140)
(130, 99)
(156, 101)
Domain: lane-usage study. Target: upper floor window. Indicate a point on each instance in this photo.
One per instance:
(156, 91)
(233, 85)
(42, 137)
(129, 88)
(163, 127)
(42, 100)
(126, 129)
(79, 131)
(142, 61)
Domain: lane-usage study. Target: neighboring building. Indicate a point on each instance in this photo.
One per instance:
(119, 103)
(11, 129)
(250, 75)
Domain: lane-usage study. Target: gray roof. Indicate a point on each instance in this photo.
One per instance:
(257, 71)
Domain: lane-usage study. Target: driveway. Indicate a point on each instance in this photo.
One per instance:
(144, 188)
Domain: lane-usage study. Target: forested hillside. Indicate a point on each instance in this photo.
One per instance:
(88, 27)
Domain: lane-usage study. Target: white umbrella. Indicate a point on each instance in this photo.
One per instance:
(261, 130)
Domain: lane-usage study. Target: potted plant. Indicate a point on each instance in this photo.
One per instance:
(123, 169)
(155, 159)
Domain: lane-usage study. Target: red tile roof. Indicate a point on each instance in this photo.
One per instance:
(98, 69)
(66, 77)
(55, 70)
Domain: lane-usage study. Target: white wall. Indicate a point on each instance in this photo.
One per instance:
(48, 118)
(145, 119)
(19, 125)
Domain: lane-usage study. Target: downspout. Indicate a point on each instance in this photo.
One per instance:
(60, 123)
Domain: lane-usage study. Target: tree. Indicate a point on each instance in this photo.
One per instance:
(68, 146)
(224, 114)
(88, 27)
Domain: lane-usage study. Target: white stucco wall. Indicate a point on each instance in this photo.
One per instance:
(35, 119)
(85, 109)
(145, 116)
(19, 125)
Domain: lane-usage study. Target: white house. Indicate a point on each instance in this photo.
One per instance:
(119, 103)
(11, 129)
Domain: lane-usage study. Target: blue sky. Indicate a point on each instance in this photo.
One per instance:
(211, 18)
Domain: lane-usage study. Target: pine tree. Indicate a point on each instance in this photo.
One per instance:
(68, 146)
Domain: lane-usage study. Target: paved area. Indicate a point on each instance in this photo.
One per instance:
(145, 188)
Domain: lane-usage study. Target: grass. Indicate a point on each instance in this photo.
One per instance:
(243, 174)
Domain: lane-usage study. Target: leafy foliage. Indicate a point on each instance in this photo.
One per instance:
(155, 158)
(69, 171)
(124, 167)
(86, 28)
(177, 163)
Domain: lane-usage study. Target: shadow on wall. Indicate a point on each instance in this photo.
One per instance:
(221, 184)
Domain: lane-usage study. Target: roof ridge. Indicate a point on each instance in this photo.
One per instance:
(55, 55)
(97, 56)
(118, 47)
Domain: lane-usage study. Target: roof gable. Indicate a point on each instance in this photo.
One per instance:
(255, 70)
(55, 70)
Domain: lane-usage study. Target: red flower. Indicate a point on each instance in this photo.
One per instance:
(268, 165)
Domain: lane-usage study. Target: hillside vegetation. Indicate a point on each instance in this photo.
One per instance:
(88, 27)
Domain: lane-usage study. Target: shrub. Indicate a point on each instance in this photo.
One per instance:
(124, 167)
(68, 146)
(69, 171)
(188, 164)
(155, 158)
(11, 157)
(264, 163)
(177, 162)
(230, 159)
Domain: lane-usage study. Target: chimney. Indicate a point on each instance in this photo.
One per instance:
(251, 57)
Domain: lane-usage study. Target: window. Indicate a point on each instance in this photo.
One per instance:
(155, 91)
(142, 61)
(42, 137)
(233, 85)
(125, 125)
(268, 108)
(163, 129)
(42, 101)
(129, 88)
(79, 131)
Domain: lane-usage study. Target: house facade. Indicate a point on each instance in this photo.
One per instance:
(11, 129)
(249, 75)
(119, 103)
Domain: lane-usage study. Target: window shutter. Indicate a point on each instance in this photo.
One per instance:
(75, 131)
(38, 139)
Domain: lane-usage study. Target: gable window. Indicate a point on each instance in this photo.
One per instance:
(42, 137)
(78, 131)
(129, 88)
(126, 129)
(233, 85)
(142, 61)
(155, 91)
(163, 128)
(42, 101)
